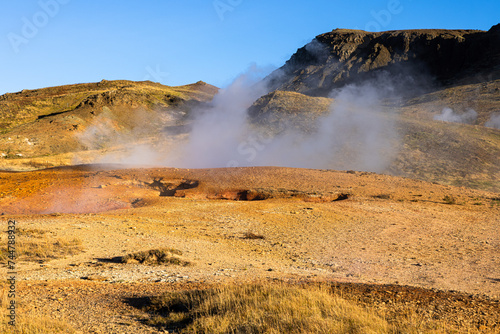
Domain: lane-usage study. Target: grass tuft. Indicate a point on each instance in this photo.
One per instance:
(156, 257)
(252, 236)
(257, 308)
(449, 199)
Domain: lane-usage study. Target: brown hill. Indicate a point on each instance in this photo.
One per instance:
(51, 121)
(417, 77)
(434, 57)
(114, 114)
(29, 105)
(275, 108)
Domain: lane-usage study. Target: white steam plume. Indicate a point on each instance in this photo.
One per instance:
(129, 143)
(354, 134)
(494, 121)
(448, 115)
(217, 130)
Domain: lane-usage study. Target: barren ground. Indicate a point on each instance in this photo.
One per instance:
(378, 235)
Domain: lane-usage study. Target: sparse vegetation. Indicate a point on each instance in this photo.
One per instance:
(39, 165)
(28, 322)
(155, 257)
(252, 236)
(279, 308)
(382, 196)
(257, 308)
(449, 199)
(33, 232)
(36, 246)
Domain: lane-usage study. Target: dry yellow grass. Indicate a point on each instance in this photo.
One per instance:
(27, 321)
(279, 308)
(156, 257)
(36, 245)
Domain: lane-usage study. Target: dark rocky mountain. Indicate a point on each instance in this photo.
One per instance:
(430, 57)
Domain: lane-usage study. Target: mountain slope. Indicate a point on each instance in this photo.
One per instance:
(432, 57)
(424, 82)
(71, 118)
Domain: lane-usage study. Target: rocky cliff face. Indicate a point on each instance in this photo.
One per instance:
(433, 57)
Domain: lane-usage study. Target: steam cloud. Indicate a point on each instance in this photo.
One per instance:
(218, 130)
(127, 143)
(448, 115)
(354, 134)
(494, 121)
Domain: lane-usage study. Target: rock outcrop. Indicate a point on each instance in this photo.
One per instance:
(434, 57)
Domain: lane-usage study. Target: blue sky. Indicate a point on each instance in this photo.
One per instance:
(55, 42)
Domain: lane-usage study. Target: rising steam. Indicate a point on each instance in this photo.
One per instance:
(218, 129)
(355, 134)
(494, 121)
(449, 115)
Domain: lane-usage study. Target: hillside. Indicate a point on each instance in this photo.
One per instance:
(434, 94)
(85, 117)
(445, 152)
(30, 105)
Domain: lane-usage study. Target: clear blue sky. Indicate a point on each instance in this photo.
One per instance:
(55, 42)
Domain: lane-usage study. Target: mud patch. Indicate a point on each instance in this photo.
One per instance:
(342, 197)
(175, 188)
(259, 194)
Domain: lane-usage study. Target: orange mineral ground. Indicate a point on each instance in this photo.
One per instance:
(247, 224)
